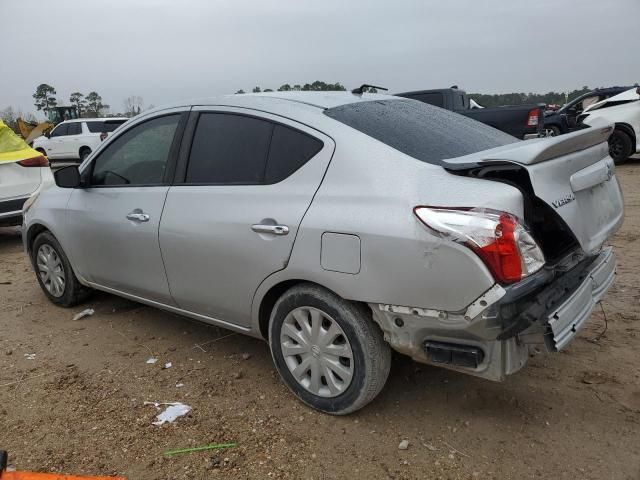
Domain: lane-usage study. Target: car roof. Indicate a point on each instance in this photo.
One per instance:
(277, 100)
(104, 119)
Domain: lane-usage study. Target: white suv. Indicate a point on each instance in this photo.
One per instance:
(76, 139)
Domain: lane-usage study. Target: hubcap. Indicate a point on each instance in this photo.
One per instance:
(51, 270)
(317, 352)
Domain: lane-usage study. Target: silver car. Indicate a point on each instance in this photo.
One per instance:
(340, 227)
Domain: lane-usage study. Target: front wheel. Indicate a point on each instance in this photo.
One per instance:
(328, 350)
(620, 146)
(54, 272)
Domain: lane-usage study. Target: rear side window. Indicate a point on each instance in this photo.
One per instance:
(109, 126)
(422, 131)
(290, 149)
(230, 149)
(75, 128)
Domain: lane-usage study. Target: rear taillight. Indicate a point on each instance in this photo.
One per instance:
(533, 118)
(103, 136)
(498, 238)
(39, 161)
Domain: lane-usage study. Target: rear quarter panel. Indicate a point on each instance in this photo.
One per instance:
(370, 191)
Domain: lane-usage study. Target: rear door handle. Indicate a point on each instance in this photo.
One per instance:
(273, 229)
(138, 217)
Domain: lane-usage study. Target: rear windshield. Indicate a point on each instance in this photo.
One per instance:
(108, 126)
(422, 131)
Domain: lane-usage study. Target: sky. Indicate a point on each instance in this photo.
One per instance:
(167, 50)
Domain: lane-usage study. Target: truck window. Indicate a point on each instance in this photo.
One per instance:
(422, 131)
(435, 98)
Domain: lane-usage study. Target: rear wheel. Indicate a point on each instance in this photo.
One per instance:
(328, 350)
(54, 272)
(552, 131)
(620, 146)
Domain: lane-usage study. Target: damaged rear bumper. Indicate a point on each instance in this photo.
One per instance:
(547, 310)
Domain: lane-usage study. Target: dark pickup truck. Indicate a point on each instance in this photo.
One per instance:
(521, 121)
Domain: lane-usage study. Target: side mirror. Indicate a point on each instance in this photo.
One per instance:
(47, 134)
(68, 177)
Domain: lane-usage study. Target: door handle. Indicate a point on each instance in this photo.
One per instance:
(138, 217)
(273, 229)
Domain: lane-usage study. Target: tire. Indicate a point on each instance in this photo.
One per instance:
(84, 153)
(47, 251)
(552, 131)
(620, 146)
(357, 335)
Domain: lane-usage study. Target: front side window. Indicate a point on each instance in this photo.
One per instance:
(436, 98)
(60, 130)
(139, 156)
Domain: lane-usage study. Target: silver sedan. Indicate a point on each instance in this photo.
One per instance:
(339, 226)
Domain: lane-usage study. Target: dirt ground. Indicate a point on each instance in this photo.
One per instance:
(72, 396)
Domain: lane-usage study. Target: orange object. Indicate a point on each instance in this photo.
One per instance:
(49, 476)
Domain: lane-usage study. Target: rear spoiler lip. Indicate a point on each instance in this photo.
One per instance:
(530, 152)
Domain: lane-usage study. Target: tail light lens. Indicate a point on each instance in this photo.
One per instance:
(39, 161)
(533, 118)
(498, 238)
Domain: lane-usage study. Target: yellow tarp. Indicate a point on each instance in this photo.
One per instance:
(12, 147)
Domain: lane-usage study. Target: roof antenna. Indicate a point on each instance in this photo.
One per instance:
(361, 89)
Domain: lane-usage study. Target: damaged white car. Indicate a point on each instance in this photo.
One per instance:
(622, 110)
(340, 226)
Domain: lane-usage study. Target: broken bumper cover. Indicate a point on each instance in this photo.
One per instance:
(554, 306)
(572, 314)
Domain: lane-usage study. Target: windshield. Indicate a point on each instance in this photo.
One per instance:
(425, 132)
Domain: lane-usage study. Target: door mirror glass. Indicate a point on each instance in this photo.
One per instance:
(68, 177)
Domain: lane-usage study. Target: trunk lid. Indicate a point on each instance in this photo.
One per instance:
(573, 174)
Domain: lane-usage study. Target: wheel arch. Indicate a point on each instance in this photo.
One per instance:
(82, 148)
(33, 231)
(268, 300)
(628, 129)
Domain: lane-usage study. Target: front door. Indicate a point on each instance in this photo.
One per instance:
(233, 219)
(114, 220)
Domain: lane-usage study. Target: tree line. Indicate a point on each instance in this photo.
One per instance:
(307, 87)
(89, 105)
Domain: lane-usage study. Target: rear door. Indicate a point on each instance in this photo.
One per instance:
(232, 217)
(113, 221)
(54, 146)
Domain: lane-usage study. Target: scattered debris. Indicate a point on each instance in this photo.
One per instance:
(171, 413)
(5, 283)
(168, 365)
(213, 446)
(179, 385)
(85, 313)
(404, 444)
(30, 356)
(430, 447)
(238, 375)
(246, 356)
(454, 449)
(8, 352)
(152, 360)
